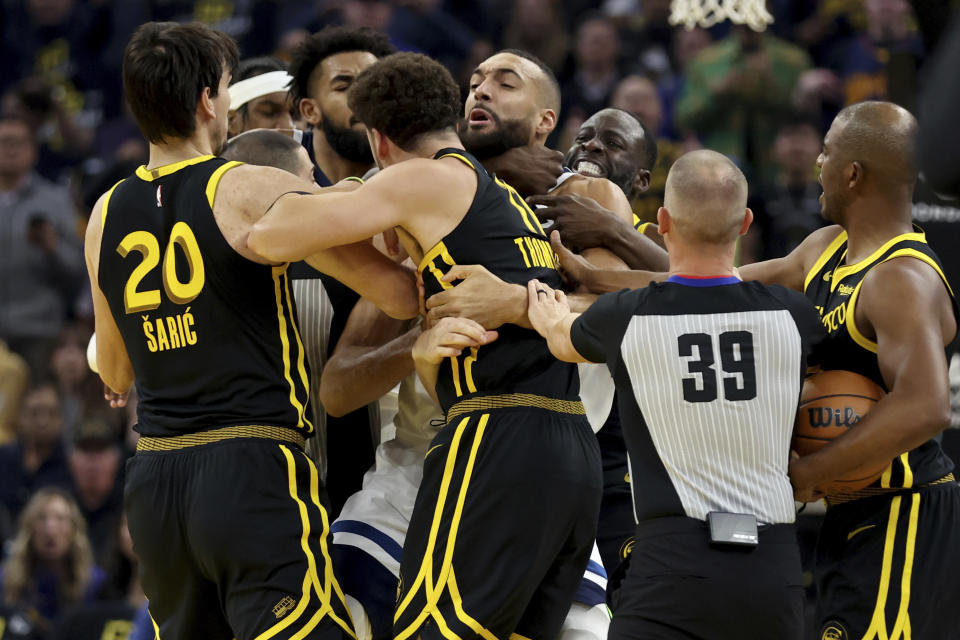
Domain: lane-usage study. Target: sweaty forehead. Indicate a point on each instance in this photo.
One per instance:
(344, 63)
(524, 68)
(616, 122)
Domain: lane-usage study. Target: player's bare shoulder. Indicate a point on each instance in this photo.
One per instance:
(601, 190)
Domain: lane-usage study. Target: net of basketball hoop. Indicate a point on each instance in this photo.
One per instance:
(706, 13)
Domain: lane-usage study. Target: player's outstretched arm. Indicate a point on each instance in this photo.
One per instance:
(299, 225)
(791, 270)
(551, 317)
(904, 304)
(372, 356)
(113, 361)
(486, 299)
(447, 339)
(360, 266)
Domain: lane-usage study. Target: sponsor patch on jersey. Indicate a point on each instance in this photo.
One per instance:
(833, 630)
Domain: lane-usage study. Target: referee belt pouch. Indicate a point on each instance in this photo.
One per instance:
(732, 529)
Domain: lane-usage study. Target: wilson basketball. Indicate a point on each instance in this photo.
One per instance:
(832, 402)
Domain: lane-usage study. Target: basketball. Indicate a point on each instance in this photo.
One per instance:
(831, 403)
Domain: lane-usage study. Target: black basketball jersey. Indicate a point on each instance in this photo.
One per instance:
(708, 375)
(212, 336)
(833, 286)
(501, 233)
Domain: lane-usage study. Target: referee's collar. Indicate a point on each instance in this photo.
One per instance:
(703, 281)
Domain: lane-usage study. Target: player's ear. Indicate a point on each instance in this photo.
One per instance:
(854, 174)
(663, 220)
(205, 105)
(310, 111)
(548, 122)
(381, 144)
(641, 181)
(747, 221)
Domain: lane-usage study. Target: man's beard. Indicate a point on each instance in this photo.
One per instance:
(348, 144)
(508, 134)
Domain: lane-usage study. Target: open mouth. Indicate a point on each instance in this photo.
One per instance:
(589, 168)
(480, 118)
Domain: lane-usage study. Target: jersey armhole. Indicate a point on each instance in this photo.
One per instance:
(103, 209)
(852, 329)
(214, 180)
(824, 258)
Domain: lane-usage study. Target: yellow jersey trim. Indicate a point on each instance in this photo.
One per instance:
(643, 226)
(301, 368)
(158, 172)
(458, 157)
(842, 272)
(511, 400)
(106, 201)
(285, 342)
(902, 625)
(214, 180)
(858, 337)
(825, 256)
(438, 250)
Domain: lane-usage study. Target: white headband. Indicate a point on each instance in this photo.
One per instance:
(246, 90)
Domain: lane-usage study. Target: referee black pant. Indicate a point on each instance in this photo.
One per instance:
(680, 586)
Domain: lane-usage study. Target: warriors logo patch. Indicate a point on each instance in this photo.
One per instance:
(833, 630)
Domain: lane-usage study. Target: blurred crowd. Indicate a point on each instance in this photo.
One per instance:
(763, 99)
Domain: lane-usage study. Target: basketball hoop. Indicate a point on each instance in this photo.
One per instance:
(706, 13)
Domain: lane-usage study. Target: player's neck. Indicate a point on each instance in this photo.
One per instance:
(869, 229)
(434, 143)
(332, 164)
(178, 151)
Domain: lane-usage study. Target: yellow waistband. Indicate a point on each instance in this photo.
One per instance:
(834, 499)
(513, 400)
(172, 443)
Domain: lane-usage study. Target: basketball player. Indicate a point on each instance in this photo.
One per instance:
(886, 557)
(614, 147)
(506, 555)
(259, 97)
(205, 328)
(268, 148)
(323, 67)
(708, 371)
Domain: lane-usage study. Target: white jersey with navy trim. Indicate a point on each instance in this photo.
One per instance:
(709, 375)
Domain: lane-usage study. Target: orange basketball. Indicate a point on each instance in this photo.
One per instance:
(831, 403)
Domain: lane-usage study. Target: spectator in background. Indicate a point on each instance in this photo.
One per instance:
(111, 617)
(37, 458)
(647, 39)
(594, 76)
(81, 392)
(736, 90)
(687, 43)
(97, 471)
(787, 209)
(265, 104)
(880, 63)
(50, 566)
(41, 264)
(639, 96)
(14, 377)
(537, 26)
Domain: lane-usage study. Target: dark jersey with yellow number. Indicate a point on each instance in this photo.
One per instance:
(212, 336)
(833, 286)
(501, 233)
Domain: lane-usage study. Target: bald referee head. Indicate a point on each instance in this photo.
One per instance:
(705, 206)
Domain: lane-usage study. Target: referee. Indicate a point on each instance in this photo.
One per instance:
(708, 372)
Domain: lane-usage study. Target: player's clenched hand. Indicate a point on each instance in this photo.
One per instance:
(582, 221)
(803, 491)
(530, 169)
(448, 338)
(545, 306)
(574, 269)
(479, 295)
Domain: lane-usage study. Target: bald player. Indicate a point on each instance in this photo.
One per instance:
(268, 148)
(708, 371)
(886, 558)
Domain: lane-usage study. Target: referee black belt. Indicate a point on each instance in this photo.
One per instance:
(514, 401)
(835, 499)
(670, 525)
(200, 438)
